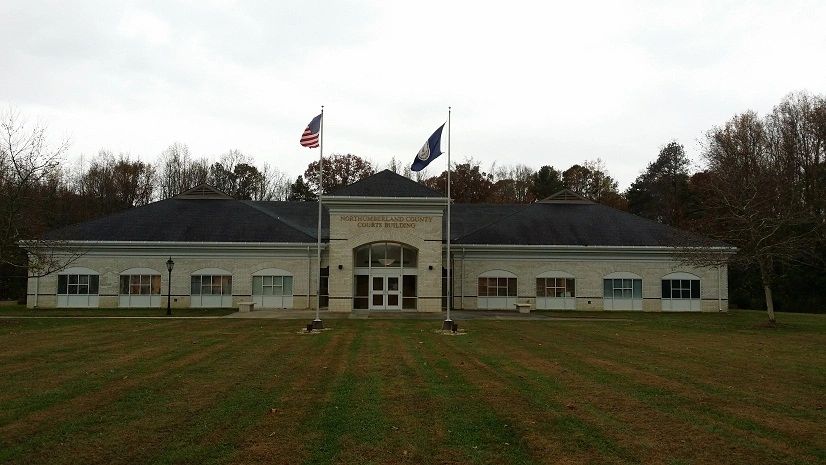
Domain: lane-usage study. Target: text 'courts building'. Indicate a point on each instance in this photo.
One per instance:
(383, 248)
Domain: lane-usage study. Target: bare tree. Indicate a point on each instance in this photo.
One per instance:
(113, 184)
(752, 198)
(275, 184)
(177, 171)
(27, 161)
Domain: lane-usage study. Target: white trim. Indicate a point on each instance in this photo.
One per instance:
(556, 303)
(496, 274)
(680, 275)
(144, 271)
(555, 274)
(622, 275)
(272, 272)
(211, 272)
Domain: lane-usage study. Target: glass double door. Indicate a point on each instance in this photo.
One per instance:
(385, 292)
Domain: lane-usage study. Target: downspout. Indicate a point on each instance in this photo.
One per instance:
(309, 274)
(719, 292)
(36, 289)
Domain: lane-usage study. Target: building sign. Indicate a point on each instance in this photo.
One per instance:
(386, 221)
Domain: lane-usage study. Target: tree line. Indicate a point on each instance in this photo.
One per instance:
(761, 186)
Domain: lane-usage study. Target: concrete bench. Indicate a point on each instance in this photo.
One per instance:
(523, 308)
(245, 307)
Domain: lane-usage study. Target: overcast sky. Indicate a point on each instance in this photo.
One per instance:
(530, 82)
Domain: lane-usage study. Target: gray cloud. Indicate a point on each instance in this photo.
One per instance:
(531, 83)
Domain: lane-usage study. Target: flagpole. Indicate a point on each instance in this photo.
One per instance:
(448, 323)
(317, 324)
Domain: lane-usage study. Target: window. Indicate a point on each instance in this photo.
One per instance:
(409, 292)
(140, 284)
(323, 287)
(272, 285)
(386, 255)
(78, 284)
(681, 289)
(497, 287)
(555, 287)
(211, 285)
(681, 292)
(361, 295)
(78, 287)
(622, 288)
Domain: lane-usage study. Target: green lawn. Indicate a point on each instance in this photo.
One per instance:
(665, 389)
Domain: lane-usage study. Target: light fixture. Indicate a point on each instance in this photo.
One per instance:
(169, 265)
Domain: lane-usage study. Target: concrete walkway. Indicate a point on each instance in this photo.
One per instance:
(457, 315)
(308, 315)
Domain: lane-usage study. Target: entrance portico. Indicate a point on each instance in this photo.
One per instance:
(385, 275)
(385, 253)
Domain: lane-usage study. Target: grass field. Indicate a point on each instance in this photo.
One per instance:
(671, 389)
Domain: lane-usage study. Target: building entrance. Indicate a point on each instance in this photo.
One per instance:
(385, 293)
(385, 277)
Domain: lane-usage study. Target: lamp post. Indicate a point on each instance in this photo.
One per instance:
(169, 265)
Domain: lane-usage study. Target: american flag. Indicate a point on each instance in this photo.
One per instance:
(310, 136)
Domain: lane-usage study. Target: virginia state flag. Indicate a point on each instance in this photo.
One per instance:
(429, 152)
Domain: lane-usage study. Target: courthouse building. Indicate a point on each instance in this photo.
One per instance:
(383, 248)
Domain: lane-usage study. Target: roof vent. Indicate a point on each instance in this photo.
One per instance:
(565, 196)
(203, 191)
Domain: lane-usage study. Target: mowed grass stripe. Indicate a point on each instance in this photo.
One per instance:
(350, 417)
(538, 412)
(85, 380)
(244, 395)
(280, 436)
(569, 392)
(53, 379)
(34, 339)
(114, 398)
(721, 361)
(173, 405)
(418, 427)
(73, 346)
(645, 435)
(773, 425)
(734, 429)
(473, 427)
(656, 399)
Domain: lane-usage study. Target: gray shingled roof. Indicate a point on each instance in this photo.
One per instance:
(386, 184)
(221, 219)
(207, 220)
(588, 224)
